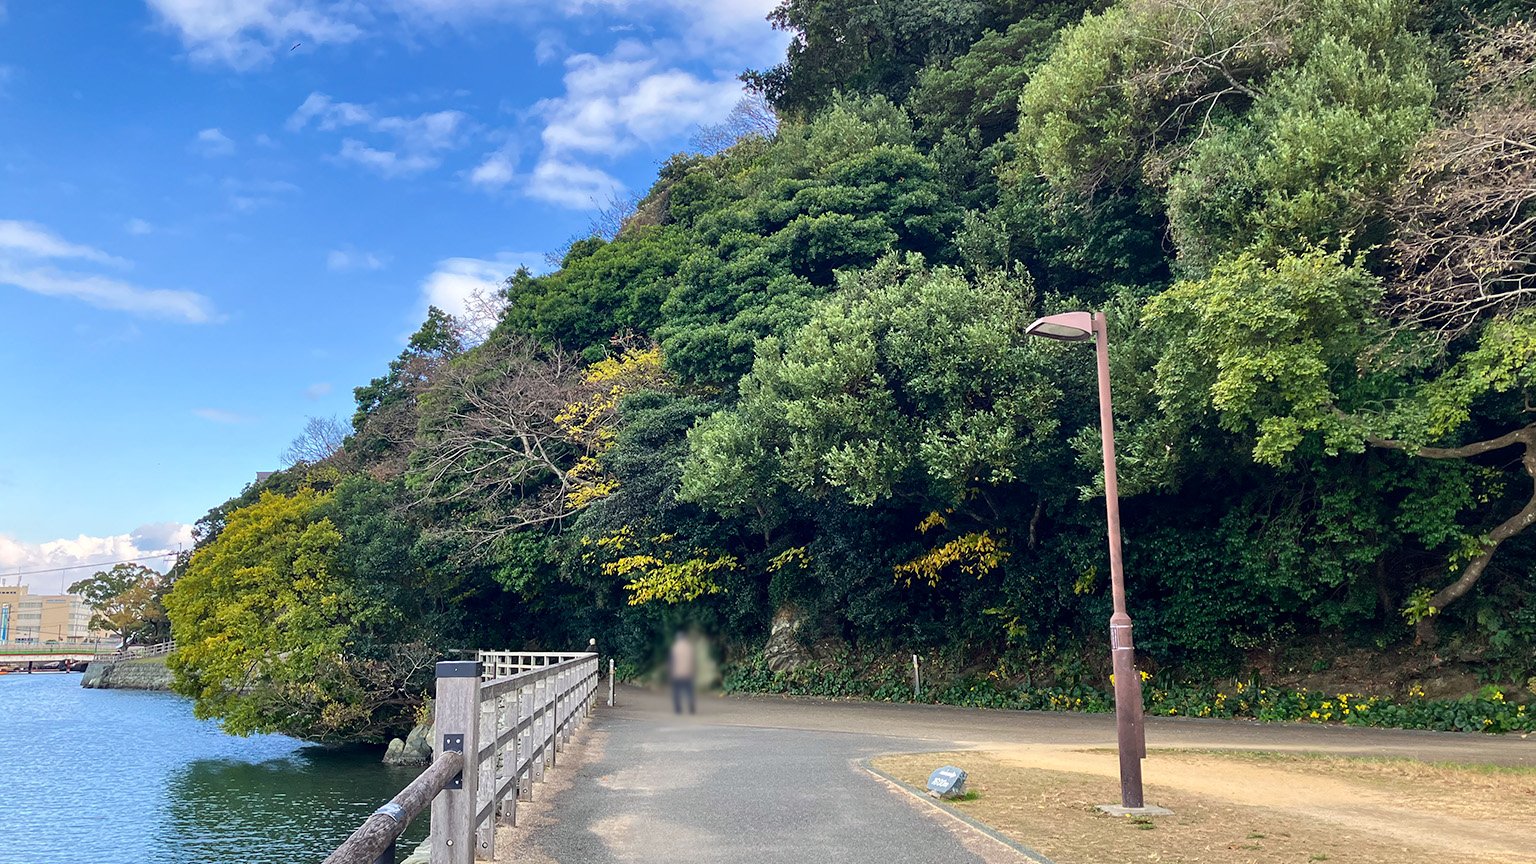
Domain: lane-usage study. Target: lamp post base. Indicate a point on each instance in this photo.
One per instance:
(1148, 810)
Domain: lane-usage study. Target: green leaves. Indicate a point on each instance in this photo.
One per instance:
(906, 383)
(1269, 348)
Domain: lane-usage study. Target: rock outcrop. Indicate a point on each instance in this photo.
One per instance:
(416, 749)
(784, 651)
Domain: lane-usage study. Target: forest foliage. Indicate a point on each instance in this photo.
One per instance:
(796, 378)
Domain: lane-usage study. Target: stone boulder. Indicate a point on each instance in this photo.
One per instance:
(784, 651)
(416, 749)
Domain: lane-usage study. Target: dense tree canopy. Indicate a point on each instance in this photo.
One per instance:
(795, 378)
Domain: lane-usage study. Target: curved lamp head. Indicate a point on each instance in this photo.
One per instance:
(1066, 327)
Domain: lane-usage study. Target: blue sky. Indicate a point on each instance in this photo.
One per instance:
(219, 216)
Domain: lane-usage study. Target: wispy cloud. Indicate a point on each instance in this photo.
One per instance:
(35, 241)
(212, 142)
(248, 34)
(27, 251)
(317, 390)
(344, 260)
(414, 142)
(219, 415)
(386, 163)
(138, 227)
(245, 196)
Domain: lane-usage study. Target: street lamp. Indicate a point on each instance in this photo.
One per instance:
(1080, 327)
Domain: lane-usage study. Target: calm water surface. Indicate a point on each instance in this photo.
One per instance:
(122, 777)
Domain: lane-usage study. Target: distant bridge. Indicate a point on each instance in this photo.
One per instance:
(77, 652)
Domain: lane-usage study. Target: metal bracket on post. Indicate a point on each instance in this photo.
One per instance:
(454, 744)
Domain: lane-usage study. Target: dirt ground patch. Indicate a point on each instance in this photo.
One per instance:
(1250, 808)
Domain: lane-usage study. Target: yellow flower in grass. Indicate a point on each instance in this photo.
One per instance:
(1314, 715)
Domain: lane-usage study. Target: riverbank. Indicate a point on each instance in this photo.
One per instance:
(148, 673)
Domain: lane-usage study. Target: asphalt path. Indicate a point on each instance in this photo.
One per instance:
(756, 779)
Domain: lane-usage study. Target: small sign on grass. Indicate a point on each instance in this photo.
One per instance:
(947, 782)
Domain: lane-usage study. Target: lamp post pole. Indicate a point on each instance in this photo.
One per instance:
(1080, 327)
(1128, 710)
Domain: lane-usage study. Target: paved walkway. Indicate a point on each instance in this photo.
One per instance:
(773, 780)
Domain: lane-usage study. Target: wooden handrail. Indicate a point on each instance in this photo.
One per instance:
(374, 840)
(494, 736)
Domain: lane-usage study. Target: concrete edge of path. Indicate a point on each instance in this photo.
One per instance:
(950, 810)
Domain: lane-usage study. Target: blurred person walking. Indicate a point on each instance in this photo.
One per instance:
(681, 667)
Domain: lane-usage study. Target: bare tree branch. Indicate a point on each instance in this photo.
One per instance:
(1466, 207)
(321, 439)
(1490, 543)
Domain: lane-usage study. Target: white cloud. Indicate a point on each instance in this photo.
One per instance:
(219, 415)
(247, 33)
(138, 227)
(386, 163)
(328, 113)
(571, 184)
(612, 105)
(439, 130)
(105, 293)
(496, 171)
(317, 390)
(737, 27)
(26, 250)
(551, 44)
(343, 260)
(34, 241)
(458, 285)
(212, 142)
(416, 140)
(85, 555)
(615, 103)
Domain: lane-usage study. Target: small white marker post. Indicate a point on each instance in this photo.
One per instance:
(917, 682)
(610, 682)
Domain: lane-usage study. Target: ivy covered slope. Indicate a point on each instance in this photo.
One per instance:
(794, 381)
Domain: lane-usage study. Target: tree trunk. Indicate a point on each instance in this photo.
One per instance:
(1424, 629)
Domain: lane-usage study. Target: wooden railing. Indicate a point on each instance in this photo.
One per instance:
(498, 722)
(133, 652)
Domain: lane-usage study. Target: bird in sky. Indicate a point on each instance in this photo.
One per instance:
(295, 46)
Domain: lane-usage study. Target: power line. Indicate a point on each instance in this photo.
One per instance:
(97, 564)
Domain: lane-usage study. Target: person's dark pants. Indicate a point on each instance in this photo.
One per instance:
(681, 686)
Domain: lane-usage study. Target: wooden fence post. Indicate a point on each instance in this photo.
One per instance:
(458, 729)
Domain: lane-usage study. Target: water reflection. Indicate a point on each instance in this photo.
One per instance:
(122, 777)
(295, 808)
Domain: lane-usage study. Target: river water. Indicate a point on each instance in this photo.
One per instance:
(125, 777)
